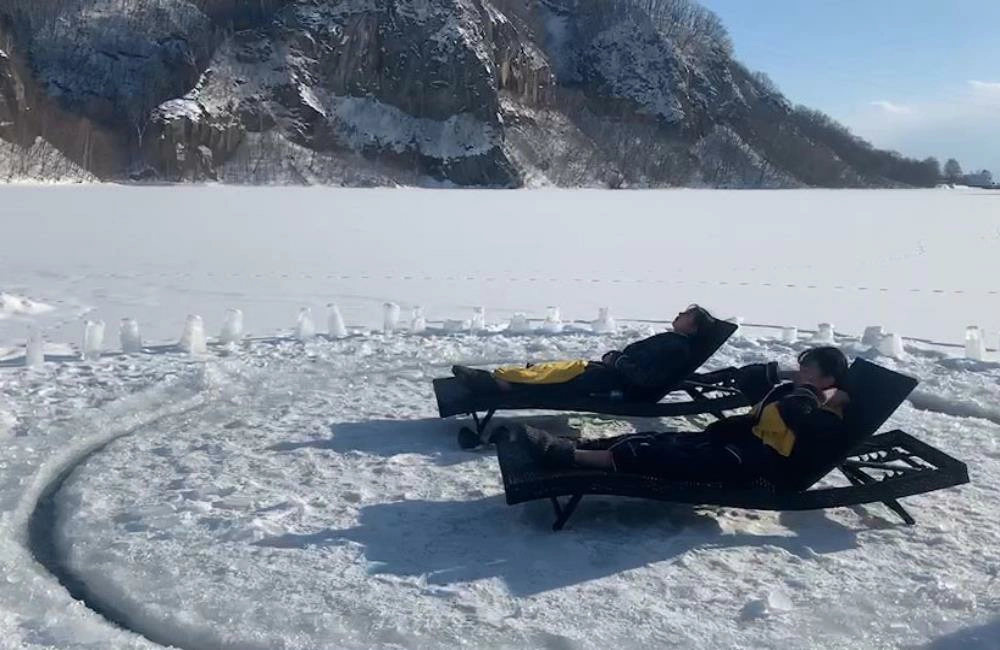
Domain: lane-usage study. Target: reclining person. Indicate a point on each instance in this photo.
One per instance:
(793, 424)
(643, 371)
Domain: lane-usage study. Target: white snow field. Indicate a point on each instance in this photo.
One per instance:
(279, 494)
(922, 263)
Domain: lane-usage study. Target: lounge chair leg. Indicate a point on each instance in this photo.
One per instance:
(898, 508)
(563, 513)
(857, 477)
(481, 426)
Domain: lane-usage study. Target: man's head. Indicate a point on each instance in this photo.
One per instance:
(823, 368)
(693, 320)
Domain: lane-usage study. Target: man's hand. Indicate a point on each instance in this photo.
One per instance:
(610, 358)
(836, 398)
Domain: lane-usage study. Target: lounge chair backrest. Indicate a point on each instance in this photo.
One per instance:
(876, 393)
(703, 346)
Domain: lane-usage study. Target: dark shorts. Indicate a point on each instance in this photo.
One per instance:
(680, 457)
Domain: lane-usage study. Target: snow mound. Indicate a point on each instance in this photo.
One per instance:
(14, 305)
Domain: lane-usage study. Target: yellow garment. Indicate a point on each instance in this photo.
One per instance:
(773, 431)
(550, 372)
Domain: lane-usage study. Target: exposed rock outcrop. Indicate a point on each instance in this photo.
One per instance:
(467, 92)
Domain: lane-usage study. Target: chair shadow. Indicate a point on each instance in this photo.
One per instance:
(450, 542)
(430, 436)
(979, 637)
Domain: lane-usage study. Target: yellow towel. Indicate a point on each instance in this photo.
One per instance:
(549, 372)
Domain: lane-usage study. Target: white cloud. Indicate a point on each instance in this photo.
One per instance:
(991, 87)
(961, 122)
(985, 85)
(891, 108)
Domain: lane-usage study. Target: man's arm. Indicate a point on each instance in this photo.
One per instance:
(808, 409)
(653, 364)
(756, 380)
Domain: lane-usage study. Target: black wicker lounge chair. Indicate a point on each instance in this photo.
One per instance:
(711, 396)
(882, 468)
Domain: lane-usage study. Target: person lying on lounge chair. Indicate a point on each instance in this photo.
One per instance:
(640, 372)
(792, 424)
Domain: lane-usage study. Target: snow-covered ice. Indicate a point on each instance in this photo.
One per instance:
(418, 324)
(93, 339)
(605, 323)
(129, 336)
(478, 321)
(34, 349)
(519, 323)
(305, 328)
(232, 328)
(891, 345)
(390, 317)
(289, 497)
(553, 320)
(889, 259)
(277, 495)
(335, 322)
(873, 335)
(193, 339)
(975, 344)
(824, 334)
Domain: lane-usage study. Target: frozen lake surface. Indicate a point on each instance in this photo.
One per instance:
(922, 263)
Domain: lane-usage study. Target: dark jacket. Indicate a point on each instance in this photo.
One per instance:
(787, 435)
(648, 368)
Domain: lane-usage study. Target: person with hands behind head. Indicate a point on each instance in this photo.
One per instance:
(798, 417)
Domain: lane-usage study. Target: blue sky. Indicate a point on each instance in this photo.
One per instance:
(918, 76)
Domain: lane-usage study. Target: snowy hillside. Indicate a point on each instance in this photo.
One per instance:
(497, 93)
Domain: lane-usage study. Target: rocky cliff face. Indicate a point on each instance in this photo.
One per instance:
(466, 92)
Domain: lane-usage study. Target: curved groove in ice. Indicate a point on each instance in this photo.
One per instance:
(41, 543)
(32, 524)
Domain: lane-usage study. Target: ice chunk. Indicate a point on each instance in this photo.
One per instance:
(418, 324)
(873, 336)
(455, 326)
(128, 334)
(478, 322)
(34, 351)
(605, 323)
(232, 328)
(93, 339)
(193, 338)
(975, 346)
(7, 420)
(390, 317)
(305, 329)
(824, 334)
(519, 324)
(789, 334)
(778, 601)
(891, 345)
(553, 322)
(335, 322)
(773, 603)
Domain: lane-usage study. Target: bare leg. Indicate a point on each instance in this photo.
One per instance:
(597, 459)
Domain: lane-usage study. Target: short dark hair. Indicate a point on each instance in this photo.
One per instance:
(702, 319)
(830, 361)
